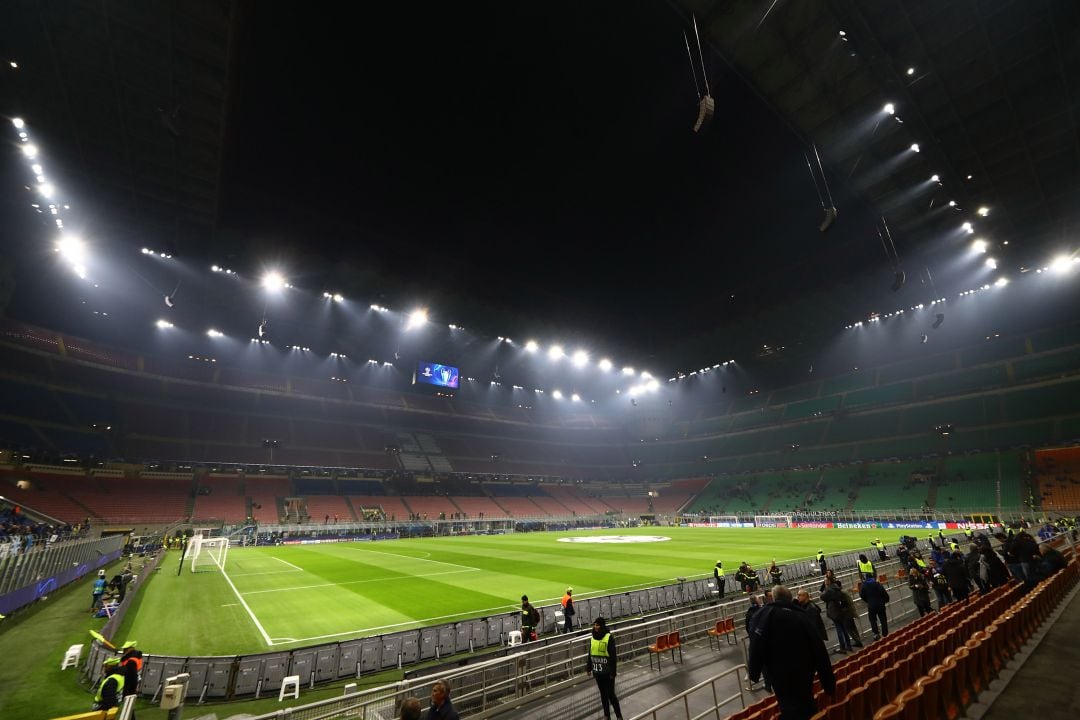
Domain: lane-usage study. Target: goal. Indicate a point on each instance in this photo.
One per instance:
(773, 521)
(724, 520)
(208, 553)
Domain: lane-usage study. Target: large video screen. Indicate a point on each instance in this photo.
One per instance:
(435, 374)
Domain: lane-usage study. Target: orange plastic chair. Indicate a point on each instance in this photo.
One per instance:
(673, 644)
(891, 711)
(657, 649)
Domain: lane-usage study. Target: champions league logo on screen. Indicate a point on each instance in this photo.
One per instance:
(435, 374)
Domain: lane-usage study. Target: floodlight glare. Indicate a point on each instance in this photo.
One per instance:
(935, 178)
(911, 71)
(273, 281)
(1002, 282)
(991, 263)
(214, 333)
(29, 150)
(47, 189)
(557, 394)
(1061, 264)
(889, 108)
(532, 346)
(984, 211)
(652, 386)
(338, 297)
(605, 364)
(416, 319)
(952, 203)
(18, 123)
(914, 147)
(163, 324)
(575, 397)
(555, 352)
(581, 358)
(979, 246)
(71, 249)
(645, 375)
(966, 227)
(628, 371)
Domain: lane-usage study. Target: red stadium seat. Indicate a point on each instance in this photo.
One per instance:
(657, 649)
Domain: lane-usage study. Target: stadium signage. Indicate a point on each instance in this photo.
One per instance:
(870, 525)
(723, 524)
(814, 524)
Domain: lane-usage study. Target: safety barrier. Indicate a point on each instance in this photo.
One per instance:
(34, 574)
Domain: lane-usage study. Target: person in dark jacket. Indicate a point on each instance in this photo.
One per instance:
(920, 592)
(832, 596)
(999, 573)
(602, 663)
(876, 598)
(785, 644)
(750, 612)
(441, 707)
(1052, 561)
(530, 620)
(973, 563)
(813, 612)
(955, 571)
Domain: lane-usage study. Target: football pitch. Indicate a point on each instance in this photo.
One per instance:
(284, 597)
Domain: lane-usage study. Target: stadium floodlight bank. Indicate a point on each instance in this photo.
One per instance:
(208, 553)
(780, 521)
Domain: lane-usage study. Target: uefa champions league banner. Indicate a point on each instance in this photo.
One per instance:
(893, 525)
(724, 524)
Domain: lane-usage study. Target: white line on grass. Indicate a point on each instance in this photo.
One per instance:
(288, 563)
(410, 557)
(357, 582)
(265, 572)
(230, 604)
(253, 618)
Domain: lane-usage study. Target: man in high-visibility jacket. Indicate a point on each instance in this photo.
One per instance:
(866, 568)
(718, 574)
(880, 550)
(131, 661)
(821, 561)
(601, 664)
(111, 687)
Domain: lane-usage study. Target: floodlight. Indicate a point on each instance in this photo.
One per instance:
(604, 365)
(628, 371)
(652, 386)
(273, 281)
(889, 108)
(18, 123)
(984, 211)
(843, 34)
(416, 319)
(935, 178)
(645, 375)
(979, 246)
(581, 358)
(532, 346)
(1061, 264)
(991, 263)
(71, 249)
(575, 397)
(555, 352)
(952, 203)
(47, 189)
(214, 333)
(911, 71)
(163, 324)
(338, 297)
(1002, 282)
(914, 147)
(968, 228)
(557, 394)
(29, 151)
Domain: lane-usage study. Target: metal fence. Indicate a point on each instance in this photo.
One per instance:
(34, 574)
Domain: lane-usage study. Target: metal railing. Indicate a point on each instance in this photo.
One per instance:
(29, 575)
(704, 699)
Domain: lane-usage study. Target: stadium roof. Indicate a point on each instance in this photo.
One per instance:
(531, 170)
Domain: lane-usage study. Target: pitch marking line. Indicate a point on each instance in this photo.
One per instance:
(411, 557)
(267, 572)
(254, 619)
(288, 563)
(357, 582)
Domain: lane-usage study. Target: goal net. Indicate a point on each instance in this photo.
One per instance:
(208, 553)
(773, 521)
(724, 520)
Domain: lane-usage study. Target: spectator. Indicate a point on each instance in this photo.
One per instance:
(602, 664)
(940, 583)
(111, 686)
(813, 612)
(1052, 561)
(784, 643)
(955, 571)
(750, 612)
(441, 707)
(876, 598)
(411, 709)
(836, 610)
(774, 574)
(977, 570)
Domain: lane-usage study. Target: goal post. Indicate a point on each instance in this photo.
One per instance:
(773, 521)
(208, 553)
(724, 520)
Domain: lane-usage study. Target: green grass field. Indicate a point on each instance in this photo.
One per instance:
(292, 596)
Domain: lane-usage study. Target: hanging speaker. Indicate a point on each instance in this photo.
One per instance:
(705, 109)
(898, 280)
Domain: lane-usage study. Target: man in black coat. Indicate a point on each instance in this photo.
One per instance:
(876, 598)
(813, 612)
(784, 644)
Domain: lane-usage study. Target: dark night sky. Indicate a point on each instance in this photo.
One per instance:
(534, 163)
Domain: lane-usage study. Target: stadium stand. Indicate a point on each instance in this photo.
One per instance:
(221, 497)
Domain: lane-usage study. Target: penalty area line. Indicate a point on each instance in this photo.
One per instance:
(254, 619)
(288, 563)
